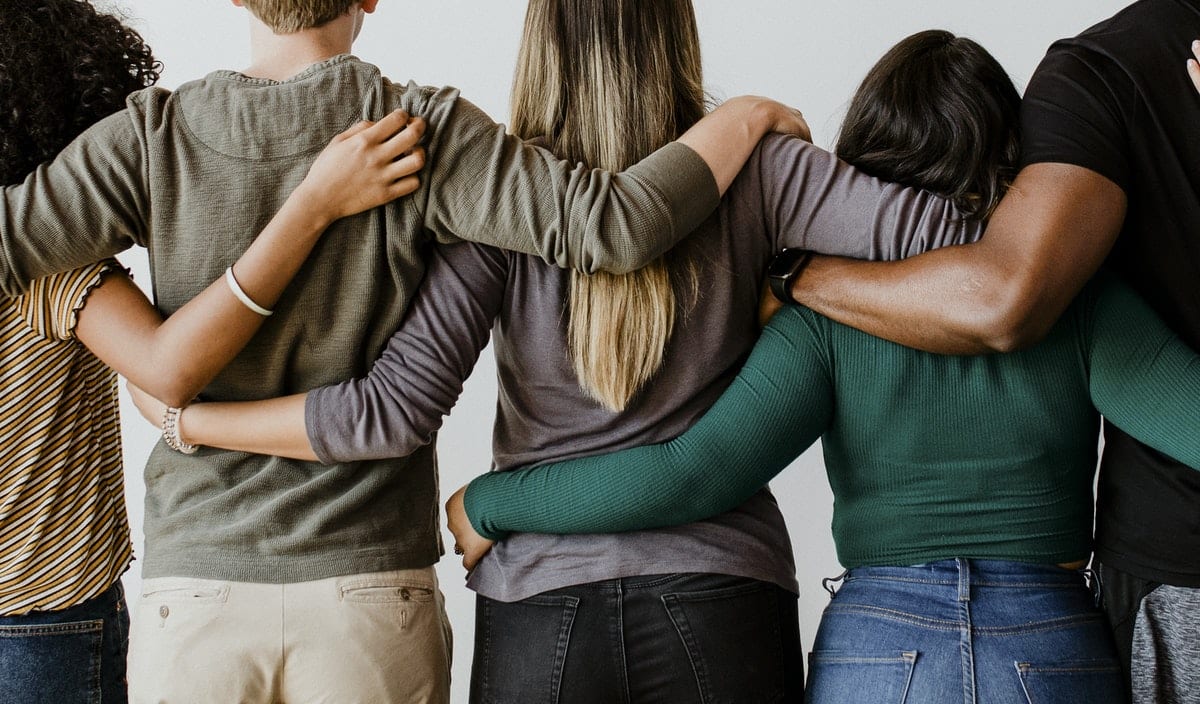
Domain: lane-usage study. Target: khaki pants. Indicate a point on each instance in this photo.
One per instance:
(381, 638)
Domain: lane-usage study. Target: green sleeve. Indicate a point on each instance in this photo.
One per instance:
(1143, 378)
(776, 407)
(490, 187)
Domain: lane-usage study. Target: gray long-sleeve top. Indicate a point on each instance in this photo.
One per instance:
(790, 194)
(195, 174)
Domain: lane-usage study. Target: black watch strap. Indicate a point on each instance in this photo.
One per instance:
(783, 271)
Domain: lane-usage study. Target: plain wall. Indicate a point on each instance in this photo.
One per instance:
(810, 55)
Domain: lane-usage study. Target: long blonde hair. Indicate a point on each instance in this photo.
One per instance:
(607, 82)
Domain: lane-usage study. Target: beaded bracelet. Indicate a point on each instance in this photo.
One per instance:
(170, 432)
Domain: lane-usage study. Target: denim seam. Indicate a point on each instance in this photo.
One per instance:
(685, 634)
(1041, 626)
(937, 624)
(53, 629)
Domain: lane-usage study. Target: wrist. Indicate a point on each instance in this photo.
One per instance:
(172, 431)
(761, 114)
(802, 286)
(310, 209)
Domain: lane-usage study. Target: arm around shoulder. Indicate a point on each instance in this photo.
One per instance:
(1047, 237)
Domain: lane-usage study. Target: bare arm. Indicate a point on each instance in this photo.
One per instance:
(173, 359)
(1047, 237)
(399, 404)
(725, 138)
(271, 427)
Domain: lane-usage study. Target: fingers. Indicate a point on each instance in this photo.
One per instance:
(386, 126)
(357, 128)
(407, 138)
(1193, 65)
(407, 165)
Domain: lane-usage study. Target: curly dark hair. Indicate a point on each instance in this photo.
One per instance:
(63, 67)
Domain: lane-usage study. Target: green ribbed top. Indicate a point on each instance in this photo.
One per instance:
(929, 456)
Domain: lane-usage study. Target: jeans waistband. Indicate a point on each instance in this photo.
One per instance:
(963, 573)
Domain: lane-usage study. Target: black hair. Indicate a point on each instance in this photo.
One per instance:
(63, 67)
(940, 113)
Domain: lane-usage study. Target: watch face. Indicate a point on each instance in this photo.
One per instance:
(783, 270)
(786, 262)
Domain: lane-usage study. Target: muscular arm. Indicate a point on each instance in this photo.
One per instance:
(776, 407)
(1047, 237)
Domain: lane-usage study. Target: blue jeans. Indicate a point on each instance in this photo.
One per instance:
(677, 638)
(964, 632)
(72, 656)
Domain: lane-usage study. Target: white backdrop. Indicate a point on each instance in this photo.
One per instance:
(808, 54)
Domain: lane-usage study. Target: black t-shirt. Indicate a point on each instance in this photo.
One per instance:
(1117, 100)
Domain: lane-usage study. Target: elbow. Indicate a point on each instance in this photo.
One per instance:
(175, 390)
(1013, 319)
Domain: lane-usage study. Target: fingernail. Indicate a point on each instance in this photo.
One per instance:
(1196, 45)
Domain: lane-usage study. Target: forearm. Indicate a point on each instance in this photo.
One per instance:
(271, 427)
(1045, 240)
(1143, 377)
(176, 358)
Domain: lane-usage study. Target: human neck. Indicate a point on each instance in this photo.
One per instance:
(278, 57)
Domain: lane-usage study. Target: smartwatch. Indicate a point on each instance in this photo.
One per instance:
(783, 271)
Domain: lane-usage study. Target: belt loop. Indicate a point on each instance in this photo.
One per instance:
(828, 582)
(964, 578)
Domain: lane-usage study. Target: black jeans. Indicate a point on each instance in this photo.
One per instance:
(677, 639)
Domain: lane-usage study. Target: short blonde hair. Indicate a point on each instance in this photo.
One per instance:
(289, 16)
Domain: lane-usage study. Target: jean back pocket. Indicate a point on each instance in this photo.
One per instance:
(848, 677)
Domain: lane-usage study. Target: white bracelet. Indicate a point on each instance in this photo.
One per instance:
(241, 295)
(170, 431)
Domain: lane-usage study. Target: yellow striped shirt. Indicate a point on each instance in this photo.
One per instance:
(64, 533)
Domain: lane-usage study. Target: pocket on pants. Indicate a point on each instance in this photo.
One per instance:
(1070, 681)
(388, 593)
(51, 663)
(732, 636)
(520, 649)
(175, 589)
(846, 677)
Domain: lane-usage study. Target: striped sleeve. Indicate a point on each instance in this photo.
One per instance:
(51, 305)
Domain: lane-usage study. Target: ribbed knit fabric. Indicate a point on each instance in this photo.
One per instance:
(929, 456)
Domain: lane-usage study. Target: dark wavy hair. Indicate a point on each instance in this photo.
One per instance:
(937, 112)
(63, 67)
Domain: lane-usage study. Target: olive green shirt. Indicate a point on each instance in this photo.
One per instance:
(195, 174)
